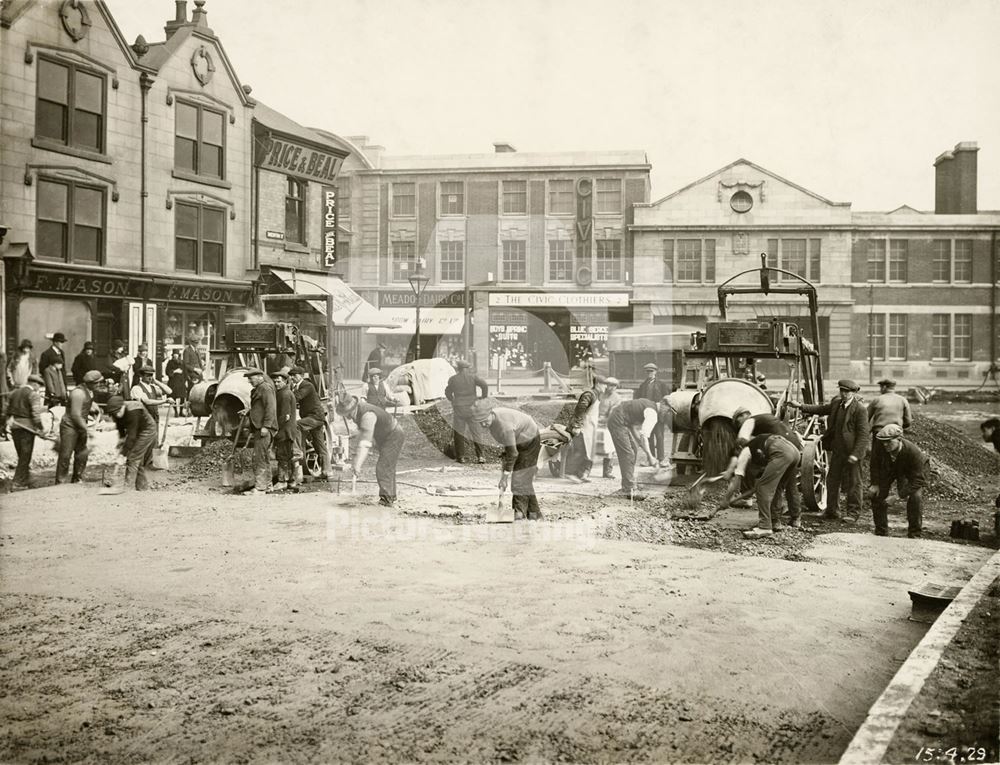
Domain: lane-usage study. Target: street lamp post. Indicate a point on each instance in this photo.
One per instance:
(418, 282)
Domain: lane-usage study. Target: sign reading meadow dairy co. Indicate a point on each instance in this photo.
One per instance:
(559, 299)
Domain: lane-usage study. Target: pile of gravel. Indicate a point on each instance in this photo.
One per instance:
(210, 459)
(950, 446)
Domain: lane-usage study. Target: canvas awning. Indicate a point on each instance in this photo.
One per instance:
(433, 321)
(349, 308)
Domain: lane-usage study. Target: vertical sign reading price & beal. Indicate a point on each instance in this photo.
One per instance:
(329, 201)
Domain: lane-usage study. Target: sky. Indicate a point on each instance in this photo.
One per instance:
(852, 99)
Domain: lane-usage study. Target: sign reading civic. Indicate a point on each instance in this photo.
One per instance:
(329, 197)
(584, 220)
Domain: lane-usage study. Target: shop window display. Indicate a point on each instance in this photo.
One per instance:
(181, 324)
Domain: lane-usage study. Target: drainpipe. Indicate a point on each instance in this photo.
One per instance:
(256, 217)
(145, 83)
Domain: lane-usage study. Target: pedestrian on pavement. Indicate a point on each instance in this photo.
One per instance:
(375, 360)
(55, 384)
(140, 360)
(52, 355)
(263, 421)
(377, 392)
(518, 434)
(113, 371)
(582, 429)
(888, 408)
(777, 459)
(909, 468)
(846, 440)
(286, 441)
(21, 365)
(174, 372)
(630, 424)
(137, 431)
(654, 389)
(376, 428)
(85, 361)
(25, 412)
(150, 392)
(606, 447)
(312, 419)
(464, 388)
(194, 367)
(73, 435)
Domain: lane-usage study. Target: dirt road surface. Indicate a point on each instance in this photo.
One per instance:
(191, 625)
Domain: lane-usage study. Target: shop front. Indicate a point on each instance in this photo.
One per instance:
(442, 324)
(569, 330)
(157, 310)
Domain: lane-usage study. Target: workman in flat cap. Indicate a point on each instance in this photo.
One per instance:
(73, 429)
(747, 427)
(137, 430)
(312, 418)
(582, 429)
(655, 389)
(631, 423)
(846, 440)
(286, 440)
(776, 459)
(376, 428)
(464, 388)
(909, 468)
(24, 411)
(263, 420)
(518, 434)
(377, 393)
(887, 408)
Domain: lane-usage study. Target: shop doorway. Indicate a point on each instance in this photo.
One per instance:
(142, 330)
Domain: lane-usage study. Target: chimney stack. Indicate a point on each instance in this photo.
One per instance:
(502, 147)
(180, 18)
(956, 180)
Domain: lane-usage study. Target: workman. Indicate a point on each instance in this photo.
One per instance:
(630, 423)
(377, 393)
(582, 429)
(137, 430)
(907, 466)
(778, 460)
(606, 448)
(24, 411)
(846, 440)
(286, 440)
(654, 389)
(464, 388)
(888, 408)
(73, 429)
(518, 434)
(311, 422)
(263, 420)
(377, 428)
(748, 426)
(150, 392)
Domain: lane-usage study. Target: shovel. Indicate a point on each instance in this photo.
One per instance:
(502, 513)
(161, 460)
(228, 466)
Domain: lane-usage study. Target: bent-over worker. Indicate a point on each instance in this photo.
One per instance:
(630, 424)
(377, 428)
(887, 408)
(137, 429)
(778, 459)
(907, 466)
(518, 434)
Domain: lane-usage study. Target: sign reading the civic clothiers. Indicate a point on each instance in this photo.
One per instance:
(559, 299)
(329, 197)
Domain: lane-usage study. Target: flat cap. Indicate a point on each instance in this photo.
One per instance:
(253, 371)
(887, 382)
(93, 376)
(600, 379)
(282, 373)
(36, 379)
(848, 385)
(651, 367)
(296, 371)
(115, 403)
(889, 432)
(462, 364)
(147, 370)
(612, 381)
(346, 404)
(481, 410)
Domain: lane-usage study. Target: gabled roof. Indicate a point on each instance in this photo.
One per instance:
(756, 167)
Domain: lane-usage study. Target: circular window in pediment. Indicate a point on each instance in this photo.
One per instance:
(741, 201)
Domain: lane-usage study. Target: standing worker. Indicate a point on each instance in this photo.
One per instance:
(582, 430)
(846, 440)
(137, 429)
(376, 428)
(463, 391)
(73, 429)
(606, 448)
(654, 389)
(518, 434)
(286, 440)
(630, 424)
(311, 422)
(375, 360)
(777, 458)
(888, 408)
(25, 412)
(263, 420)
(150, 392)
(907, 466)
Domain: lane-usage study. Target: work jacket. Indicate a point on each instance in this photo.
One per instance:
(847, 429)
(310, 404)
(136, 423)
(889, 409)
(25, 409)
(910, 463)
(654, 389)
(463, 389)
(287, 417)
(264, 407)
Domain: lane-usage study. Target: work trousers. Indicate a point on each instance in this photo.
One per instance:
(389, 449)
(914, 510)
(843, 472)
(72, 443)
(578, 461)
(262, 459)
(312, 430)
(461, 423)
(657, 442)
(24, 445)
(286, 452)
(522, 480)
(621, 436)
(138, 458)
(777, 481)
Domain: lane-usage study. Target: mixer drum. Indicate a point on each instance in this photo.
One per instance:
(723, 397)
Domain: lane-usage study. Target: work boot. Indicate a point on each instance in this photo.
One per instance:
(574, 478)
(757, 533)
(534, 515)
(606, 471)
(480, 460)
(795, 523)
(296, 475)
(518, 515)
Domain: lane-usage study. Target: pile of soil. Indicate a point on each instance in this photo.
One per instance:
(210, 459)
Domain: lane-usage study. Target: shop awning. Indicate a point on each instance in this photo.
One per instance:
(433, 321)
(349, 308)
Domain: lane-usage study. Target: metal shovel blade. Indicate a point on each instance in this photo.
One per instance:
(502, 513)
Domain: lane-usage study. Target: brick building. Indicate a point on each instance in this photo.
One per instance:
(527, 255)
(900, 293)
